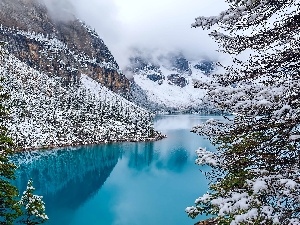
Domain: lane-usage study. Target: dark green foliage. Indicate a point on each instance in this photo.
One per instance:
(9, 209)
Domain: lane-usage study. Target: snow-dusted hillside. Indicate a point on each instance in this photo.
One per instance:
(45, 112)
(63, 48)
(167, 83)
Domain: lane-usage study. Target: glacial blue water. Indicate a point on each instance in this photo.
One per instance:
(123, 183)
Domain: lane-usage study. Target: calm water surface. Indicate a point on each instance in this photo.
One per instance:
(124, 183)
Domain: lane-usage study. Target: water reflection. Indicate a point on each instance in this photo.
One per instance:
(141, 156)
(178, 122)
(67, 178)
(123, 183)
(146, 156)
(177, 160)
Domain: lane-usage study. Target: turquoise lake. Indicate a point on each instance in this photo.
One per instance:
(122, 183)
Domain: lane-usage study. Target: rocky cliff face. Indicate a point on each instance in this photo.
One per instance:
(65, 47)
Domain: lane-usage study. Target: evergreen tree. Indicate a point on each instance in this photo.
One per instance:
(9, 209)
(255, 177)
(33, 208)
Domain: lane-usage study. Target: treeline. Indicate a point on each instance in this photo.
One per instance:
(46, 112)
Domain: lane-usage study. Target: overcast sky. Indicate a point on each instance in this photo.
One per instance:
(163, 25)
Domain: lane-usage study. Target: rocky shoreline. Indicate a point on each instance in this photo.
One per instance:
(157, 136)
(207, 222)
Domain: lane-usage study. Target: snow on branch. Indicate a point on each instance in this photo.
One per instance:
(206, 157)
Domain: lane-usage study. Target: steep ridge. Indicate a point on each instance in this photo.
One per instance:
(64, 47)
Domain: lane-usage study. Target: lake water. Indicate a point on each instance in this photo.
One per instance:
(121, 183)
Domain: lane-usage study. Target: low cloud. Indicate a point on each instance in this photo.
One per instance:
(150, 25)
(60, 9)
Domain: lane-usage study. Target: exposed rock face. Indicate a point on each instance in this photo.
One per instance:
(207, 222)
(176, 79)
(164, 82)
(64, 48)
(180, 63)
(156, 77)
(207, 67)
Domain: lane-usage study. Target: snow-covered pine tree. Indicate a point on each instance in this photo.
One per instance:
(33, 207)
(255, 177)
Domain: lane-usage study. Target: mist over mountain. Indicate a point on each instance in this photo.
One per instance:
(151, 25)
(64, 84)
(164, 82)
(31, 31)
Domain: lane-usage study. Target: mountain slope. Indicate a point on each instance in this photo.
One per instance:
(46, 113)
(64, 47)
(166, 82)
(65, 86)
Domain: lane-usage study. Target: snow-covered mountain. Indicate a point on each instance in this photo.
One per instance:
(64, 47)
(166, 82)
(65, 86)
(46, 113)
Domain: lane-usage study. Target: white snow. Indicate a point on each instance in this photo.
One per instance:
(171, 95)
(44, 113)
